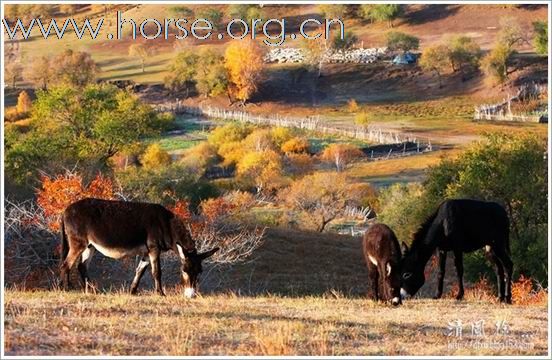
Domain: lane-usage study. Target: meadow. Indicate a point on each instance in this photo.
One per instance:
(58, 323)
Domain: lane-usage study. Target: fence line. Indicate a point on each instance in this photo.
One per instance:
(370, 133)
(502, 111)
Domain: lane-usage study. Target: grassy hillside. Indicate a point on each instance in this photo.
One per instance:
(57, 323)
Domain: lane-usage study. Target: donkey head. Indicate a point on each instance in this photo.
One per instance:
(190, 259)
(412, 273)
(191, 268)
(392, 281)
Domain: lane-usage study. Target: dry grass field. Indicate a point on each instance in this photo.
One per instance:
(58, 323)
(291, 298)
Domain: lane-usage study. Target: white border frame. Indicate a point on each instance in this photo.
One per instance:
(191, 2)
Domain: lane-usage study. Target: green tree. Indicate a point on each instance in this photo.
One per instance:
(540, 41)
(211, 77)
(330, 11)
(383, 12)
(495, 63)
(182, 72)
(463, 52)
(213, 15)
(180, 11)
(85, 126)
(400, 41)
(349, 39)
(435, 58)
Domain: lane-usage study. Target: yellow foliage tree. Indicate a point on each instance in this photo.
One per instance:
(24, 102)
(244, 62)
(318, 198)
(154, 157)
(263, 169)
(341, 155)
(295, 145)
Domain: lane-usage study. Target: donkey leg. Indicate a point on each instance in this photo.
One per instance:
(142, 266)
(508, 270)
(459, 264)
(83, 265)
(441, 276)
(499, 270)
(72, 257)
(156, 271)
(374, 280)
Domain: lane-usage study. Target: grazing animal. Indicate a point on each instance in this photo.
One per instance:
(383, 256)
(118, 229)
(460, 226)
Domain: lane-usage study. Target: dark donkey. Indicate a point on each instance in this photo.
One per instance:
(118, 229)
(460, 226)
(383, 256)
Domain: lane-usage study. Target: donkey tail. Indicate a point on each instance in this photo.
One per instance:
(64, 243)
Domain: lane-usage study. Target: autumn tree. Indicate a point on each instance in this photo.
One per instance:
(68, 9)
(318, 198)
(314, 52)
(40, 72)
(200, 157)
(141, 52)
(400, 41)
(296, 145)
(24, 102)
(244, 62)
(340, 155)
(13, 73)
(510, 33)
(76, 68)
(263, 169)
(435, 58)
(155, 157)
(57, 192)
(362, 119)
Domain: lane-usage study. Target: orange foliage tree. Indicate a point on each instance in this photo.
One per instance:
(58, 192)
(244, 62)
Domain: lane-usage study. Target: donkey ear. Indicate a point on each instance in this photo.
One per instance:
(208, 253)
(404, 248)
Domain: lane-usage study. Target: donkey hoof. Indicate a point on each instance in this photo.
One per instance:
(438, 296)
(460, 297)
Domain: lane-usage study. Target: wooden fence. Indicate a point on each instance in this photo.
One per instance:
(502, 111)
(372, 134)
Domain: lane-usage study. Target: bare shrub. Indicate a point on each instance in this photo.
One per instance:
(31, 248)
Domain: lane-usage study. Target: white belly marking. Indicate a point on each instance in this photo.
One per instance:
(118, 253)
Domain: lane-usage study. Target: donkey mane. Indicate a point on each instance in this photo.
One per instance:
(421, 233)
